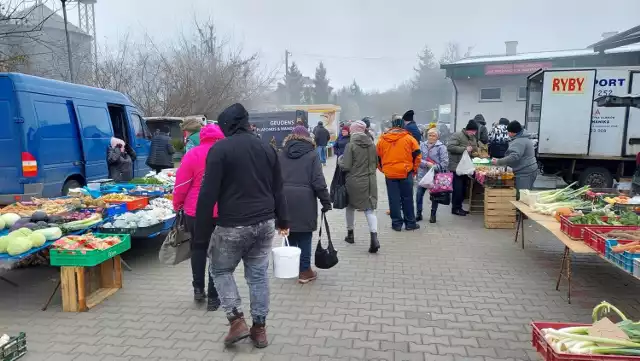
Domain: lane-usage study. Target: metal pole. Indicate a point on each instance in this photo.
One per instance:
(66, 31)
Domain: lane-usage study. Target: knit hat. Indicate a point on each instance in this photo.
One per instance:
(358, 127)
(397, 123)
(300, 130)
(514, 127)
(344, 127)
(367, 121)
(472, 125)
(503, 121)
(191, 125)
(408, 116)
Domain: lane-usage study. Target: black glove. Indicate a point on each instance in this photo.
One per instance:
(326, 208)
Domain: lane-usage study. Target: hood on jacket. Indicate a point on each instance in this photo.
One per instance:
(210, 134)
(361, 140)
(394, 134)
(522, 134)
(295, 146)
(234, 119)
(479, 118)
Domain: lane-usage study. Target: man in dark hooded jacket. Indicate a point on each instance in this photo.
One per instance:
(411, 126)
(243, 177)
(483, 133)
(161, 151)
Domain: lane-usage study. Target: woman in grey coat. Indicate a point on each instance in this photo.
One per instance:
(520, 156)
(120, 158)
(304, 184)
(434, 154)
(360, 163)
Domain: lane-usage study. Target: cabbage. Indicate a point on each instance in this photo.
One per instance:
(10, 218)
(37, 239)
(4, 242)
(18, 245)
(2, 224)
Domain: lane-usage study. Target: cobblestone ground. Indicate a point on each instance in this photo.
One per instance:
(450, 291)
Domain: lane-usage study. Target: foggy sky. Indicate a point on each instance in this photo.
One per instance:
(375, 42)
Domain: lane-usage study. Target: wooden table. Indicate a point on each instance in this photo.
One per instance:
(549, 223)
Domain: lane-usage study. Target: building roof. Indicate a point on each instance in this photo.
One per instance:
(539, 56)
(42, 14)
(631, 36)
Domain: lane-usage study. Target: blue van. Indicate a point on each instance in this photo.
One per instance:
(54, 135)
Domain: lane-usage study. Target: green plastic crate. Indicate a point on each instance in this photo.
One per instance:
(79, 258)
(15, 348)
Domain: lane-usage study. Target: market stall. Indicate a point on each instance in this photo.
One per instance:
(585, 223)
(491, 193)
(60, 232)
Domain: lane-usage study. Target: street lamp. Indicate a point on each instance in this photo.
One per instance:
(66, 32)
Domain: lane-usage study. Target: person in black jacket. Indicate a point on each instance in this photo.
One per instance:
(161, 151)
(321, 136)
(304, 184)
(411, 126)
(243, 176)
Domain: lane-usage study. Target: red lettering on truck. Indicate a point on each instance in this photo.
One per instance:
(567, 85)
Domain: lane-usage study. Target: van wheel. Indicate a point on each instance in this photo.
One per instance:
(596, 177)
(70, 184)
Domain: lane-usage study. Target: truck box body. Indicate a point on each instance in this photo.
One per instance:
(55, 135)
(571, 124)
(277, 124)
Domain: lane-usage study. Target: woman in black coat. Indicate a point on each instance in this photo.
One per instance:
(304, 184)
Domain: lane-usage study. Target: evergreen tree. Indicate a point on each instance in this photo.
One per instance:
(321, 88)
(294, 84)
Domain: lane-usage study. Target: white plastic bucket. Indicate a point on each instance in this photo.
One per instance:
(286, 260)
(93, 186)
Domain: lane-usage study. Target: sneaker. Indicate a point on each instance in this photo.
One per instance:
(459, 212)
(213, 304)
(259, 336)
(198, 294)
(413, 228)
(238, 330)
(397, 229)
(307, 276)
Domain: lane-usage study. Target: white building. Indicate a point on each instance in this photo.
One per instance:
(495, 85)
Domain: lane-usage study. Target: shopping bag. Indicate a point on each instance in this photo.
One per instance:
(325, 257)
(442, 182)
(465, 167)
(338, 191)
(176, 246)
(427, 180)
(443, 198)
(286, 260)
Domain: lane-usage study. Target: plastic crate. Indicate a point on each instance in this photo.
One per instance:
(144, 232)
(83, 258)
(105, 230)
(15, 348)
(623, 260)
(134, 205)
(147, 193)
(593, 238)
(549, 354)
(575, 231)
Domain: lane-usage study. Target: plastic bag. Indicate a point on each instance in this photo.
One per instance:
(427, 180)
(465, 167)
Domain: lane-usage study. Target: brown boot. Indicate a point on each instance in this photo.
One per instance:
(259, 336)
(307, 276)
(238, 330)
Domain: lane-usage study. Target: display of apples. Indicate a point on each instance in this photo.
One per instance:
(85, 242)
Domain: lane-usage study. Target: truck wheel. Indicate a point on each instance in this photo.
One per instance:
(596, 177)
(70, 184)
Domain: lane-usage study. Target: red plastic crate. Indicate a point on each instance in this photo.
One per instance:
(549, 354)
(576, 231)
(592, 236)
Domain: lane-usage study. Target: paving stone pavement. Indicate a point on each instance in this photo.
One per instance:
(450, 291)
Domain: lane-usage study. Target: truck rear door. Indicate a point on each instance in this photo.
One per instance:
(607, 123)
(632, 141)
(565, 114)
(141, 141)
(10, 141)
(95, 131)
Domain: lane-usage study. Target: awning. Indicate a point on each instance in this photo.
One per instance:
(631, 36)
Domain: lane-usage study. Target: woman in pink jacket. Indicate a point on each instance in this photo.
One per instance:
(185, 196)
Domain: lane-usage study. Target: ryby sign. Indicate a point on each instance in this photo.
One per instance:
(567, 85)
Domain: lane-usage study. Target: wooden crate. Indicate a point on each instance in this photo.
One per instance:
(476, 197)
(498, 210)
(85, 287)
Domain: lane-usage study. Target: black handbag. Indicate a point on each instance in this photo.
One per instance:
(176, 247)
(443, 198)
(338, 191)
(325, 257)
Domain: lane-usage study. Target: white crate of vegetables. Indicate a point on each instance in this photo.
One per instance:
(158, 211)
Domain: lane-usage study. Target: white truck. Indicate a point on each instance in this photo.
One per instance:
(577, 138)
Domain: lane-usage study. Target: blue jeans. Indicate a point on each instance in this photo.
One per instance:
(322, 153)
(252, 245)
(420, 199)
(302, 240)
(400, 193)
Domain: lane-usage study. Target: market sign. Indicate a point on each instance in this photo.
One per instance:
(567, 85)
(517, 68)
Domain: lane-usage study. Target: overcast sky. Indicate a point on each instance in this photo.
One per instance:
(375, 42)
